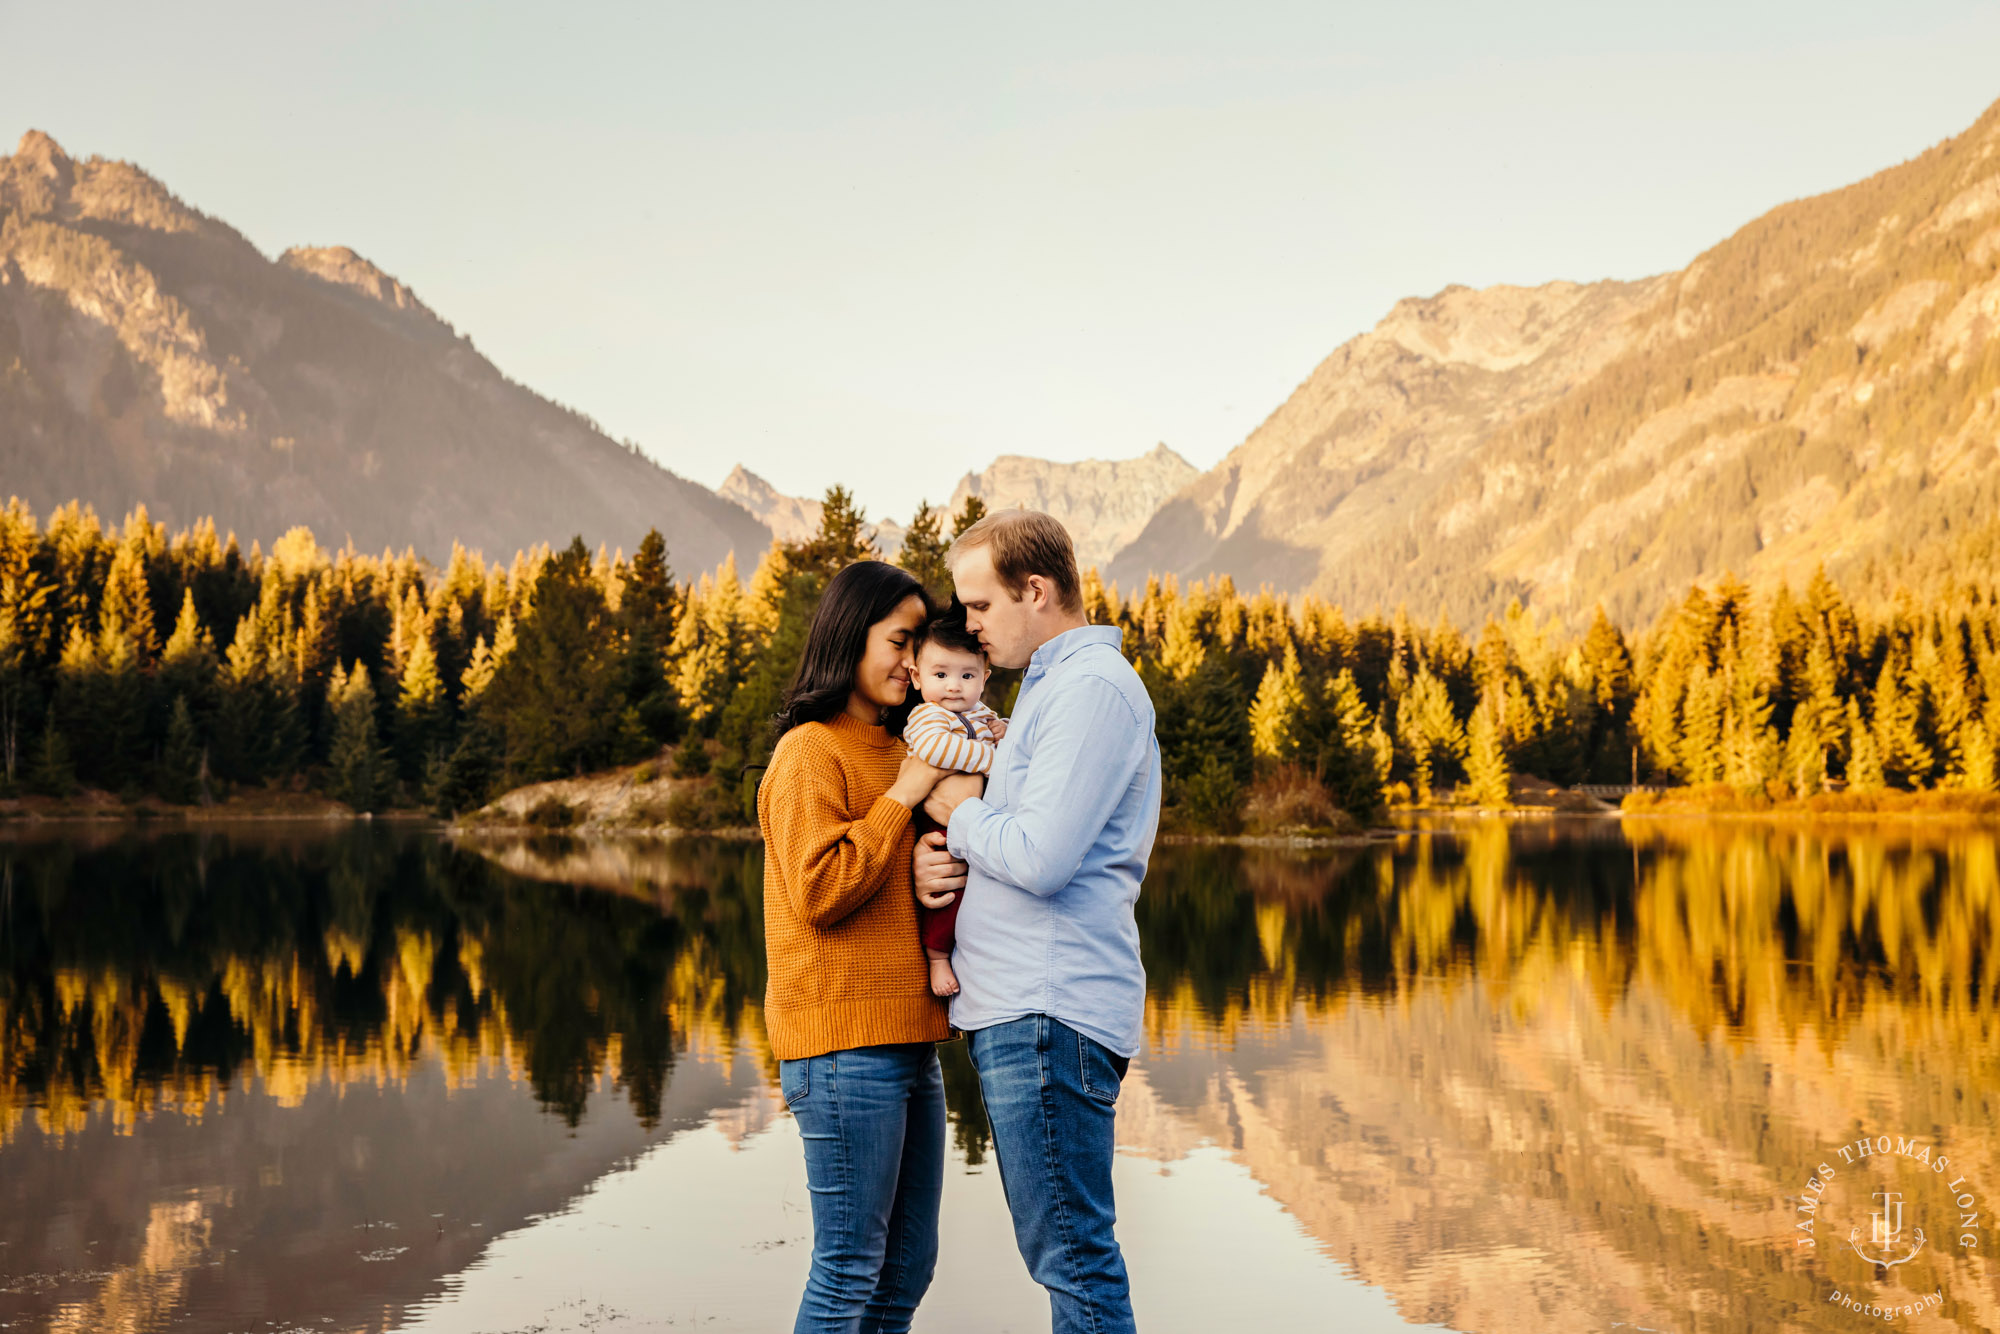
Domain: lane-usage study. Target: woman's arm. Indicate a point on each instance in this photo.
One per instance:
(833, 862)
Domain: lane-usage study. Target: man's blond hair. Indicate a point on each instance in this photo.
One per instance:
(1025, 542)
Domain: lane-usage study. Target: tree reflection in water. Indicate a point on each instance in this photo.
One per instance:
(1512, 1074)
(150, 971)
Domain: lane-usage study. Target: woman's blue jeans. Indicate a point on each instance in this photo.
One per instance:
(872, 1119)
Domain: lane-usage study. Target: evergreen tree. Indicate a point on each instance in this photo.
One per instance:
(646, 611)
(923, 552)
(1864, 764)
(556, 700)
(1486, 770)
(1905, 758)
(1975, 758)
(469, 773)
(360, 766)
(52, 774)
(1277, 714)
(1701, 727)
(711, 647)
(970, 513)
(1203, 728)
(648, 600)
(1428, 733)
(189, 665)
(181, 758)
(1354, 754)
(1751, 755)
(423, 718)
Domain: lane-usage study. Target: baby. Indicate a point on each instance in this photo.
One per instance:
(952, 730)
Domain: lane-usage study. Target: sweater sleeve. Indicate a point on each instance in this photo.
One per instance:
(833, 862)
(933, 734)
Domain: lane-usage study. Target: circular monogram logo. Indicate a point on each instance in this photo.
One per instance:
(1877, 1214)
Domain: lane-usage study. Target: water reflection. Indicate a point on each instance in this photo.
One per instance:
(1517, 1077)
(1559, 1077)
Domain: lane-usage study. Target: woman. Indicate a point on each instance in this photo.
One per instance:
(849, 1008)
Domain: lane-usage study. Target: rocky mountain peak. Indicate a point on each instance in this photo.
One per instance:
(40, 180)
(341, 266)
(747, 489)
(44, 157)
(1103, 502)
(158, 357)
(1821, 387)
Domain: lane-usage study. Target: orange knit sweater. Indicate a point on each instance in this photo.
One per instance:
(840, 922)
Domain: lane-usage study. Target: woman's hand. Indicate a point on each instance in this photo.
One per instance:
(914, 780)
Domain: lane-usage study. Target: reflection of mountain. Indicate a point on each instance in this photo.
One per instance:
(343, 1025)
(1519, 1079)
(321, 1205)
(157, 971)
(1529, 1090)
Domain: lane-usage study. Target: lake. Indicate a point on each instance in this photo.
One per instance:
(1488, 1076)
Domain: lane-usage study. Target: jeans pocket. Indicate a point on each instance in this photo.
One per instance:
(794, 1080)
(1102, 1072)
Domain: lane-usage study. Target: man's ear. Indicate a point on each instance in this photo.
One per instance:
(1038, 591)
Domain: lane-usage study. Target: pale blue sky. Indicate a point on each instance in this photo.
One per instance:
(881, 244)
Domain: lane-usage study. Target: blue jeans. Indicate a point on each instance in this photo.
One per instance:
(872, 1119)
(1050, 1092)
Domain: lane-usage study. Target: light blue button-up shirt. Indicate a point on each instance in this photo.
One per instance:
(1057, 848)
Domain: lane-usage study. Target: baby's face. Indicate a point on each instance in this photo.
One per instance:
(950, 678)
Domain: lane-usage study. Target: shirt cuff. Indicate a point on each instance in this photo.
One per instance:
(958, 833)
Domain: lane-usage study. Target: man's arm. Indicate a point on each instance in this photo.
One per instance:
(1089, 742)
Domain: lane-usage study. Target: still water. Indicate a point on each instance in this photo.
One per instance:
(1494, 1077)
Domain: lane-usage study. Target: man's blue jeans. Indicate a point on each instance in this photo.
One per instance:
(1049, 1093)
(872, 1119)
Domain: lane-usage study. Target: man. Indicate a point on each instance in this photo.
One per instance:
(1049, 860)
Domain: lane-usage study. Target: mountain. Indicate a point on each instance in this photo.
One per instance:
(149, 353)
(794, 518)
(1821, 387)
(1103, 502)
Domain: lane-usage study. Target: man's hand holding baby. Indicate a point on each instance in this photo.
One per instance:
(939, 875)
(949, 792)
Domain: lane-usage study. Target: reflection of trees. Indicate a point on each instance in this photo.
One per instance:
(1737, 924)
(1511, 1075)
(153, 971)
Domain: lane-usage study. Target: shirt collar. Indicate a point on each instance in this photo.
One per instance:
(1069, 641)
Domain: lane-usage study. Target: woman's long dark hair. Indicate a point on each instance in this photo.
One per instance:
(859, 596)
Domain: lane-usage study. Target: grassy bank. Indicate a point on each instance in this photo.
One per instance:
(93, 806)
(1722, 799)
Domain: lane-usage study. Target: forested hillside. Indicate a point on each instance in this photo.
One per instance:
(1823, 387)
(149, 355)
(137, 661)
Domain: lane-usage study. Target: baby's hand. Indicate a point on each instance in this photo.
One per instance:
(998, 727)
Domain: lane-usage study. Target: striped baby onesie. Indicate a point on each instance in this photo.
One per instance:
(962, 741)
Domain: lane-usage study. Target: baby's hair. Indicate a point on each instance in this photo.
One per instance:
(947, 630)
